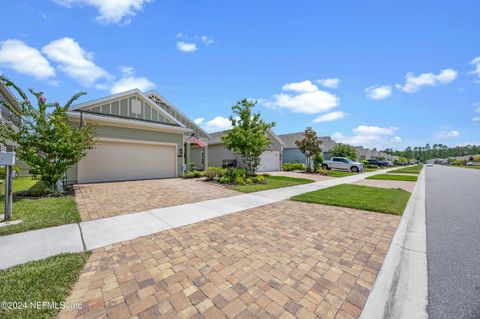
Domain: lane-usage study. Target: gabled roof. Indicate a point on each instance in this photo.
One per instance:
(125, 94)
(291, 138)
(216, 138)
(164, 100)
(8, 95)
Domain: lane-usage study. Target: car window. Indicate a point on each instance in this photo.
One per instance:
(336, 159)
(344, 160)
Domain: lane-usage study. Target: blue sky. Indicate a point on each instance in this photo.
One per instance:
(400, 72)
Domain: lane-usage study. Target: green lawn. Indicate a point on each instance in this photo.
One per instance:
(408, 170)
(376, 199)
(333, 173)
(49, 280)
(393, 177)
(38, 212)
(272, 182)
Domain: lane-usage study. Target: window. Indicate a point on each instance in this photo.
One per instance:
(136, 106)
(336, 159)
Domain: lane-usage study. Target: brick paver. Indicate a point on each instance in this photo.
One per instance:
(102, 200)
(283, 260)
(405, 185)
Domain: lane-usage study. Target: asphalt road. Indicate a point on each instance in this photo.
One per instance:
(453, 242)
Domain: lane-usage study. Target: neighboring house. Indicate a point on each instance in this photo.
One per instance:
(291, 152)
(140, 136)
(7, 116)
(363, 153)
(270, 160)
(437, 161)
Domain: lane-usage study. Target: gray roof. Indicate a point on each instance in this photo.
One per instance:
(290, 139)
(215, 138)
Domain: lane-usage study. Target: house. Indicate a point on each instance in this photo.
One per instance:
(140, 136)
(291, 152)
(8, 117)
(270, 160)
(363, 153)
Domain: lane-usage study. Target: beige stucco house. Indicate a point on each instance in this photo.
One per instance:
(271, 159)
(140, 136)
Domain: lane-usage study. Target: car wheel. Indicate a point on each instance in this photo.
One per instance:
(324, 166)
(354, 169)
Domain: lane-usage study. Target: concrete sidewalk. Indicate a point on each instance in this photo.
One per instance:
(38, 244)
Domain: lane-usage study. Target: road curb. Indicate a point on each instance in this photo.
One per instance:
(401, 288)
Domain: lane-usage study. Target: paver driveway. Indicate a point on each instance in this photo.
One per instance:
(102, 200)
(282, 260)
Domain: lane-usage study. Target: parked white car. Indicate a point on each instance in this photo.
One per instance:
(343, 163)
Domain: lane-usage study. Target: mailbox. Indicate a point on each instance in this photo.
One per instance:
(7, 158)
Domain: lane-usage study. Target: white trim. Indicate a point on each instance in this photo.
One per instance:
(125, 94)
(122, 140)
(153, 92)
(127, 122)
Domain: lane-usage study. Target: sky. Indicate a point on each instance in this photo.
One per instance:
(373, 73)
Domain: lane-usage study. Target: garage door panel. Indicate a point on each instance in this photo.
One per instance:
(116, 161)
(269, 161)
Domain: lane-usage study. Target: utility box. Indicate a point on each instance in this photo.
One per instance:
(7, 159)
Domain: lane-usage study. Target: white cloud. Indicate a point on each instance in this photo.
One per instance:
(186, 47)
(414, 83)
(476, 120)
(378, 92)
(206, 39)
(74, 61)
(130, 82)
(374, 130)
(219, 123)
(17, 55)
(300, 87)
(447, 134)
(477, 107)
(476, 63)
(329, 82)
(328, 117)
(199, 120)
(111, 11)
(370, 136)
(306, 98)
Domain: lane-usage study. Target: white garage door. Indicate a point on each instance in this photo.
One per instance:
(270, 161)
(117, 161)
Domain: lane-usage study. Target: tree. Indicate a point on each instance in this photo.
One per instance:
(344, 150)
(248, 135)
(309, 145)
(44, 138)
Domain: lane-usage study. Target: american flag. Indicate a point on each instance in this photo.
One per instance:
(197, 141)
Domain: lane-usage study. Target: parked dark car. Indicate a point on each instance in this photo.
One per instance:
(373, 161)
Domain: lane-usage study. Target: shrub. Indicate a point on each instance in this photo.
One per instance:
(16, 168)
(224, 180)
(233, 173)
(364, 162)
(317, 161)
(194, 174)
(249, 180)
(266, 174)
(261, 179)
(239, 180)
(293, 167)
(321, 171)
(371, 166)
(215, 171)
